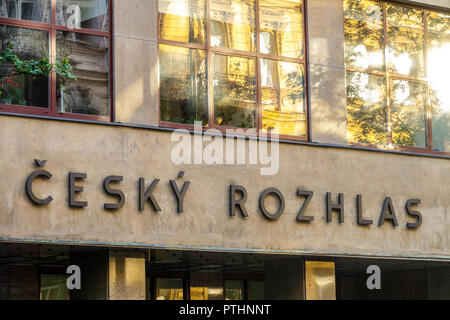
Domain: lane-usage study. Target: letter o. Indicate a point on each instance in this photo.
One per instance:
(262, 206)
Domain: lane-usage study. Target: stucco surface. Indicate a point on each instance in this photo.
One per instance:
(135, 65)
(101, 151)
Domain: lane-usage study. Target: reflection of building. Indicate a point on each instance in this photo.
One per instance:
(362, 178)
(89, 57)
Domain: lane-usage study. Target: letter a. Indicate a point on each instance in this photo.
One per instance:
(74, 281)
(374, 281)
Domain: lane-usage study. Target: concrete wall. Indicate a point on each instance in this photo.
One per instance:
(327, 71)
(101, 150)
(136, 61)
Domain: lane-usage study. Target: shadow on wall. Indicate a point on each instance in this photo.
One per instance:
(327, 72)
(136, 83)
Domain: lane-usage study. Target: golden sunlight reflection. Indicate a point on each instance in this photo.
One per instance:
(402, 62)
(438, 71)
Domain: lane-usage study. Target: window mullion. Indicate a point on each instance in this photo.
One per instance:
(52, 58)
(209, 75)
(428, 106)
(258, 71)
(388, 82)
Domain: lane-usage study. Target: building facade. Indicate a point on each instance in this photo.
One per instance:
(225, 149)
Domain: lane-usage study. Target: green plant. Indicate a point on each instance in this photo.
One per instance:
(10, 93)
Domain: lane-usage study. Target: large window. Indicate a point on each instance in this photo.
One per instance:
(74, 34)
(233, 63)
(397, 61)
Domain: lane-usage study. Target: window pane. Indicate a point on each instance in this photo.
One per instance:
(169, 289)
(439, 23)
(33, 10)
(404, 17)
(89, 57)
(234, 91)
(405, 37)
(256, 290)
(54, 287)
(23, 90)
(86, 14)
(364, 40)
(408, 113)
(183, 85)
(366, 108)
(438, 71)
(233, 24)
(283, 102)
(234, 290)
(182, 20)
(281, 28)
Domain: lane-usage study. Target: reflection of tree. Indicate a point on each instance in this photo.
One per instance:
(234, 95)
(24, 89)
(183, 83)
(366, 93)
(183, 100)
(295, 82)
(408, 113)
(363, 26)
(367, 121)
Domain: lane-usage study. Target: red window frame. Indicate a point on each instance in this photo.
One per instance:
(257, 56)
(396, 76)
(52, 28)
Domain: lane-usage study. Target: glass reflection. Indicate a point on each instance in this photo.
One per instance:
(23, 90)
(405, 37)
(234, 290)
(283, 103)
(54, 287)
(233, 24)
(363, 10)
(206, 293)
(438, 71)
(182, 20)
(364, 40)
(366, 108)
(33, 10)
(88, 55)
(86, 14)
(256, 290)
(183, 83)
(401, 16)
(408, 113)
(234, 91)
(281, 28)
(169, 289)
